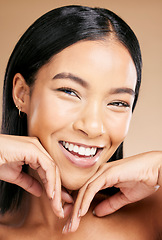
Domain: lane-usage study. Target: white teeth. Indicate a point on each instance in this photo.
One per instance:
(71, 147)
(80, 150)
(67, 145)
(93, 151)
(75, 149)
(88, 152)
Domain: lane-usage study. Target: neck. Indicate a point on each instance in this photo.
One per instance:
(40, 210)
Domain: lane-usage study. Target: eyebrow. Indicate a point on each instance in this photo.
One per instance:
(122, 90)
(72, 77)
(83, 83)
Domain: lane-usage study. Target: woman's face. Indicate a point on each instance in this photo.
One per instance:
(81, 107)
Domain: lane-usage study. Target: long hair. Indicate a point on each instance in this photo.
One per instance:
(47, 36)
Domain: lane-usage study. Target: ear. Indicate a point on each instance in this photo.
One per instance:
(21, 93)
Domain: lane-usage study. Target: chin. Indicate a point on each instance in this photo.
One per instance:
(73, 186)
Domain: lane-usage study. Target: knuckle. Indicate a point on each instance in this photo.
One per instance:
(44, 181)
(18, 179)
(3, 159)
(30, 184)
(124, 200)
(90, 186)
(113, 206)
(35, 166)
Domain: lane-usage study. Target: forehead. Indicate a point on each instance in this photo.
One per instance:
(96, 61)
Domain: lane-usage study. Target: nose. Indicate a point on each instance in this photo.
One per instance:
(90, 121)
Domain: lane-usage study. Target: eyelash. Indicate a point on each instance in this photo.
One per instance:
(66, 90)
(115, 103)
(119, 104)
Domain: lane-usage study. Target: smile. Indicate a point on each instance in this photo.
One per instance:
(79, 155)
(80, 150)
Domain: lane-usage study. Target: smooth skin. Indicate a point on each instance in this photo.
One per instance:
(84, 96)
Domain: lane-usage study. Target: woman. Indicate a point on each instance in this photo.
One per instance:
(70, 88)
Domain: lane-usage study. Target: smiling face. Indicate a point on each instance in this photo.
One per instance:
(81, 105)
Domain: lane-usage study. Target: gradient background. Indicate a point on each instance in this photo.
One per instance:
(144, 17)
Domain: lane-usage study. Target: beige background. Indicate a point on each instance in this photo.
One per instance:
(145, 17)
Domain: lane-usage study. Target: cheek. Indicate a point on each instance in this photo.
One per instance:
(48, 115)
(118, 127)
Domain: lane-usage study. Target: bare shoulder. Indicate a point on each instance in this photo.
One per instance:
(135, 221)
(158, 212)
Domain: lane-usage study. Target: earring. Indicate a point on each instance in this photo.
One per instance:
(21, 115)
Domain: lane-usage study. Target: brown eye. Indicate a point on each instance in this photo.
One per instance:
(119, 104)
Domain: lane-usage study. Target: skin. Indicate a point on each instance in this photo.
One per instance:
(88, 118)
(94, 113)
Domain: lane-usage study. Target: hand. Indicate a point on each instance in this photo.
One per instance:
(15, 151)
(137, 177)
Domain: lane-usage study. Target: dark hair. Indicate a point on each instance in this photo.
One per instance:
(47, 36)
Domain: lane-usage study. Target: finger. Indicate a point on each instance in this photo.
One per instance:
(29, 183)
(66, 197)
(85, 197)
(91, 190)
(73, 224)
(47, 175)
(56, 201)
(67, 226)
(77, 211)
(107, 178)
(45, 168)
(68, 209)
(112, 204)
(39, 145)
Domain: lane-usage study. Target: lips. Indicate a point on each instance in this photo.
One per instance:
(79, 155)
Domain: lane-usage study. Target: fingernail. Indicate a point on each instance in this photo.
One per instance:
(156, 187)
(53, 194)
(64, 229)
(62, 211)
(79, 213)
(94, 213)
(69, 228)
